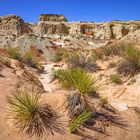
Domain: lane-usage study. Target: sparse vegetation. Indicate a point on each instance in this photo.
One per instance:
(109, 50)
(14, 53)
(103, 101)
(77, 78)
(111, 64)
(131, 62)
(132, 54)
(29, 59)
(29, 114)
(125, 67)
(81, 85)
(115, 78)
(76, 104)
(79, 120)
(78, 60)
(60, 55)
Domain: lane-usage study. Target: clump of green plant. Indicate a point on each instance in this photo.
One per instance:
(103, 101)
(131, 62)
(109, 50)
(115, 78)
(30, 59)
(125, 67)
(60, 55)
(29, 115)
(77, 78)
(94, 57)
(79, 120)
(132, 54)
(78, 60)
(14, 53)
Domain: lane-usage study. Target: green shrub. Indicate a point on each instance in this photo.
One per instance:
(29, 114)
(77, 78)
(79, 120)
(115, 78)
(132, 54)
(78, 60)
(94, 57)
(30, 59)
(131, 62)
(109, 50)
(14, 53)
(60, 55)
(125, 67)
(103, 101)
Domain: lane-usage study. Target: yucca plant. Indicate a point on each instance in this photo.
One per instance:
(76, 104)
(77, 78)
(79, 120)
(29, 115)
(132, 54)
(14, 53)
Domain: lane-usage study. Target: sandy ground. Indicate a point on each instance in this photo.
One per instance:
(57, 99)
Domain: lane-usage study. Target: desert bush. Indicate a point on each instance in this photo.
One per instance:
(29, 115)
(78, 60)
(77, 78)
(132, 54)
(29, 59)
(14, 53)
(131, 60)
(111, 64)
(79, 120)
(115, 78)
(60, 55)
(103, 101)
(125, 67)
(94, 57)
(109, 50)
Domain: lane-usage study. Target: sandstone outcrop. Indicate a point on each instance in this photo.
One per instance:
(51, 28)
(14, 32)
(13, 25)
(30, 41)
(132, 37)
(52, 17)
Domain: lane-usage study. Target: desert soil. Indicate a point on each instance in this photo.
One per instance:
(10, 78)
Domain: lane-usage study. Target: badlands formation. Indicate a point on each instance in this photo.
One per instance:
(116, 106)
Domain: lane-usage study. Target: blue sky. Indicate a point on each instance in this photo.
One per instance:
(74, 10)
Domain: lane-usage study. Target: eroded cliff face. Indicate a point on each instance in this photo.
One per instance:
(13, 30)
(13, 25)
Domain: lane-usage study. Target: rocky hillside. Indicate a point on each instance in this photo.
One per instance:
(55, 30)
(69, 80)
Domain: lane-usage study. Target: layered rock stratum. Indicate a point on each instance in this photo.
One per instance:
(55, 30)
